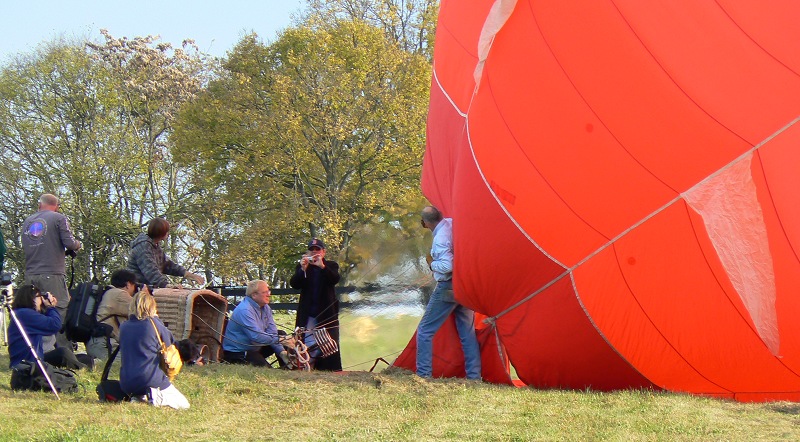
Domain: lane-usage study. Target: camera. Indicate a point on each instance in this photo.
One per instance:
(311, 259)
(6, 290)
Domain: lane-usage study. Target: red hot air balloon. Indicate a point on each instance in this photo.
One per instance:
(623, 181)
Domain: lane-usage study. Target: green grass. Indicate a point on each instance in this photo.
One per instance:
(363, 339)
(247, 403)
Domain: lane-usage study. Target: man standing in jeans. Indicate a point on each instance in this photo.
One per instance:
(46, 237)
(442, 302)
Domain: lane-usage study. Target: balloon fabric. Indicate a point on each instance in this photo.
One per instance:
(622, 178)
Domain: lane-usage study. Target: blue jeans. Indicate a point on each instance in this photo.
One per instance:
(441, 304)
(310, 340)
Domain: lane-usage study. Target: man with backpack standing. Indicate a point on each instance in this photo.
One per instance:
(111, 313)
(46, 238)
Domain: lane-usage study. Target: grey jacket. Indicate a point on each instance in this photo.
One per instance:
(150, 264)
(45, 237)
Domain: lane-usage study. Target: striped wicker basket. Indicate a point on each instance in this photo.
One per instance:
(198, 315)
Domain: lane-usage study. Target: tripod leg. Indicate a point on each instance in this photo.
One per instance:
(4, 327)
(33, 351)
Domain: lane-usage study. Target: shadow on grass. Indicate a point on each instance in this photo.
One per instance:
(785, 408)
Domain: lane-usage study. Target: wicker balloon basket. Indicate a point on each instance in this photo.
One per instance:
(198, 315)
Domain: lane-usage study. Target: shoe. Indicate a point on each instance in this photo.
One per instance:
(142, 398)
(86, 360)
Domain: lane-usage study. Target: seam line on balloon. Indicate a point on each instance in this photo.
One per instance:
(629, 229)
(612, 347)
(674, 81)
(497, 199)
(652, 323)
(745, 154)
(755, 42)
(772, 199)
(446, 95)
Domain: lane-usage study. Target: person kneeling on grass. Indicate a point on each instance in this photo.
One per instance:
(251, 335)
(140, 375)
(112, 312)
(39, 318)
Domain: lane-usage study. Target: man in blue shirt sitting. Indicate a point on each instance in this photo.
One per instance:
(251, 335)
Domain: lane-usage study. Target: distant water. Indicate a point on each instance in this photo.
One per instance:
(388, 303)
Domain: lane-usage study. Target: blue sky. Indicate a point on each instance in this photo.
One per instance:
(215, 26)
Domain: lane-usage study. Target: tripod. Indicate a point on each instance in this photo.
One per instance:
(6, 295)
(4, 326)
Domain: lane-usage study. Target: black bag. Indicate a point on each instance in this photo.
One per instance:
(192, 353)
(81, 317)
(28, 376)
(109, 390)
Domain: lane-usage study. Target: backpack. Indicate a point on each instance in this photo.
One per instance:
(28, 376)
(80, 320)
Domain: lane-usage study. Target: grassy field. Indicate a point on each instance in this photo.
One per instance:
(246, 403)
(363, 339)
(366, 338)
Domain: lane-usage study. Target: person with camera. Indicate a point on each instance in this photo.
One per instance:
(46, 240)
(37, 315)
(316, 278)
(149, 262)
(251, 335)
(111, 313)
(140, 337)
(443, 302)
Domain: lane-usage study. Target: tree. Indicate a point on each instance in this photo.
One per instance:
(322, 132)
(409, 23)
(90, 123)
(153, 81)
(61, 133)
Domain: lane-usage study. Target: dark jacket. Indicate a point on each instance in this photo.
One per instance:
(36, 325)
(140, 348)
(149, 262)
(318, 299)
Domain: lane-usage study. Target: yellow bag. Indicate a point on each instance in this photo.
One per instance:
(170, 360)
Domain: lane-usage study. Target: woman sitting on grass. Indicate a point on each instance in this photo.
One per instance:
(140, 374)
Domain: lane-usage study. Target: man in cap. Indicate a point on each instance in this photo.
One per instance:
(443, 302)
(316, 278)
(46, 239)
